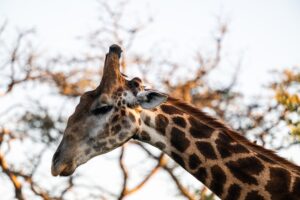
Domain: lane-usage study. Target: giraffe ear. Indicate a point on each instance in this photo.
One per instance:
(150, 99)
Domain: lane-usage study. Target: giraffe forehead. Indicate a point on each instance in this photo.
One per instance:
(82, 108)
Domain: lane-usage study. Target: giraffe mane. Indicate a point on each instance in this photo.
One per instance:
(217, 124)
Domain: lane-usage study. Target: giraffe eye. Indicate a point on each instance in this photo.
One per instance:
(101, 110)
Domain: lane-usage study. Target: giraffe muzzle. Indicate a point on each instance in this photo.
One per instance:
(63, 169)
(60, 166)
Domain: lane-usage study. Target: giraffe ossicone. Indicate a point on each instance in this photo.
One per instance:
(120, 109)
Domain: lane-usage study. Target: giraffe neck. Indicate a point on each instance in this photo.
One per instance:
(228, 164)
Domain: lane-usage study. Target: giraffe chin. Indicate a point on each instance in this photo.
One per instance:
(63, 169)
(67, 173)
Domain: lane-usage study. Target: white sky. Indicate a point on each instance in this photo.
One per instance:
(266, 33)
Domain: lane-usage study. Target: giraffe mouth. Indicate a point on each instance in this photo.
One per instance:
(63, 169)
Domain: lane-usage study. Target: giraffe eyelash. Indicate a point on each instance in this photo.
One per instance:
(101, 110)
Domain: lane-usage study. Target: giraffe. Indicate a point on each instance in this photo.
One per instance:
(225, 161)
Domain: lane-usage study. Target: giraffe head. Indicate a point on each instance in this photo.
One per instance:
(105, 118)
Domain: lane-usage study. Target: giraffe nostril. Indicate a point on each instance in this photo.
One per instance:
(56, 156)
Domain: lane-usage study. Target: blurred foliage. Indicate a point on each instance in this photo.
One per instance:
(69, 84)
(288, 95)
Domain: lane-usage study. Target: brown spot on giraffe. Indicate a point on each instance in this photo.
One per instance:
(198, 129)
(126, 124)
(180, 121)
(278, 185)
(218, 180)
(91, 141)
(103, 135)
(116, 128)
(115, 118)
(112, 141)
(147, 121)
(179, 140)
(227, 147)
(161, 123)
(234, 192)
(207, 150)
(99, 145)
(123, 112)
(87, 151)
(201, 174)
(171, 110)
(194, 161)
(244, 169)
(160, 145)
(178, 159)
(254, 195)
(145, 136)
(132, 117)
(122, 135)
